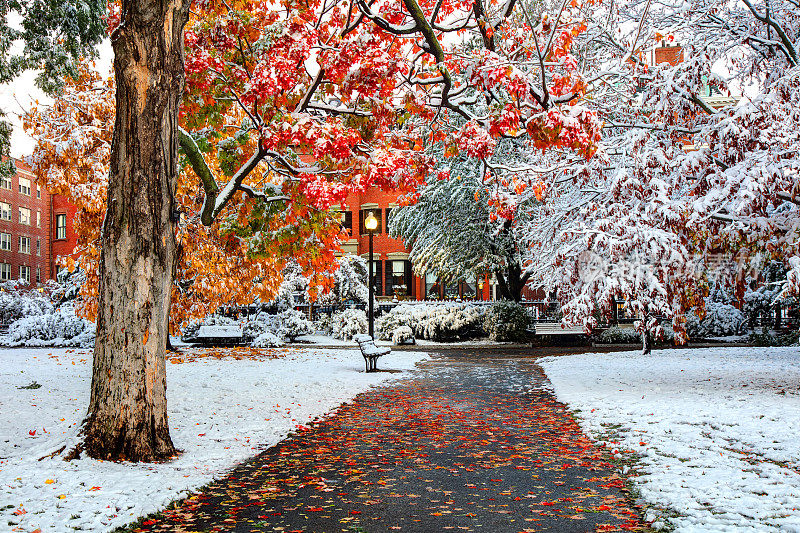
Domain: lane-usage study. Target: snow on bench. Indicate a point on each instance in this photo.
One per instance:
(224, 334)
(370, 351)
(555, 328)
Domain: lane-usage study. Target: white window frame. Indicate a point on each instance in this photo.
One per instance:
(5, 241)
(24, 249)
(5, 271)
(24, 186)
(25, 216)
(25, 273)
(38, 219)
(5, 211)
(59, 228)
(6, 182)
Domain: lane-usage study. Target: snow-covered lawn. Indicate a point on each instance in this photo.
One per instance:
(222, 411)
(717, 430)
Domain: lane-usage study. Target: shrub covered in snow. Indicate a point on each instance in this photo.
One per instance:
(349, 322)
(324, 324)
(454, 322)
(438, 322)
(293, 324)
(261, 323)
(720, 320)
(61, 327)
(618, 335)
(387, 323)
(16, 303)
(267, 339)
(769, 339)
(403, 335)
(507, 321)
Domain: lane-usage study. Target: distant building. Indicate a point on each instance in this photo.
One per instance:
(35, 228)
(393, 271)
(673, 54)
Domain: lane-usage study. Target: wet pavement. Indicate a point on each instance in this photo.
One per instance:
(472, 441)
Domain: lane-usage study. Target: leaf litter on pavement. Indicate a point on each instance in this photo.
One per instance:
(461, 447)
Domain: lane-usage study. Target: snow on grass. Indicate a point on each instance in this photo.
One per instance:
(221, 411)
(717, 430)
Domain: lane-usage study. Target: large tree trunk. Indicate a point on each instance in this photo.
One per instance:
(510, 283)
(127, 416)
(647, 335)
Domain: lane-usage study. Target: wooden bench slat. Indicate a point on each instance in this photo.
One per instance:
(370, 351)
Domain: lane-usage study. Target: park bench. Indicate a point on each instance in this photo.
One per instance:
(217, 335)
(555, 328)
(370, 351)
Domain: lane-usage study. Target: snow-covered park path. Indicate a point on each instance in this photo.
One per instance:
(222, 411)
(717, 431)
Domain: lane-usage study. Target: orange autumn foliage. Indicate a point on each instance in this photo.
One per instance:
(234, 262)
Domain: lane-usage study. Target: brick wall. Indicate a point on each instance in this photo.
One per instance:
(62, 247)
(36, 231)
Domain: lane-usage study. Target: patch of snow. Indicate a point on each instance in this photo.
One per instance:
(715, 430)
(219, 331)
(221, 411)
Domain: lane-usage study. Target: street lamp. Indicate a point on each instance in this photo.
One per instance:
(371, 223)
(480, 287)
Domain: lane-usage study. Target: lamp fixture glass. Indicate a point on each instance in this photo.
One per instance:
(371, 223)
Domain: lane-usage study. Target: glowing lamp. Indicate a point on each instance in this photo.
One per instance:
(371, 223)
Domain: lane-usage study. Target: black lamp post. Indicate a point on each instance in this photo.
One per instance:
(371, 223)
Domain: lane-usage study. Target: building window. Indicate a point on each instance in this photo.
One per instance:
(388, 211)
(362, 216)
(5, 182)
(5, 241)
(25, 216)
(61, 226)
(38, 274)
(396, 278)
(38, 247)
(24, 245)
(451, 290)
(5, 271)
(432, 286)
(38, 192)
(376, 277)
(469, 287)
(346, 221)
(38, 219)
(25, 186)
(25, 273)
(5, 211)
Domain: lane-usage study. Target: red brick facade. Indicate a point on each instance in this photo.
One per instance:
(24, 228)
(393, 271)
(29, 226)
(667, 54)
(63, 238)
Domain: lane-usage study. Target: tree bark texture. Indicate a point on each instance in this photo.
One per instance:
(510, 282)
(127, 418)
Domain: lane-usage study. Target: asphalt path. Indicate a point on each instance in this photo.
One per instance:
(471, 441)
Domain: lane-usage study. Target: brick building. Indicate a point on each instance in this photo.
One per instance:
(36, 227)
(63, 238)
(394, 275)
(25, 251)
